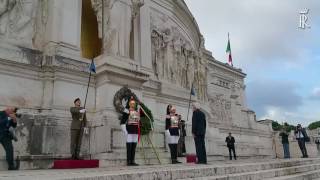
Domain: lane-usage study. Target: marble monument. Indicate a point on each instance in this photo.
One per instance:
(154, 47)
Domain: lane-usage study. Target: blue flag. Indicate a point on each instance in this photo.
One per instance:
(92, 67)
(193, 93)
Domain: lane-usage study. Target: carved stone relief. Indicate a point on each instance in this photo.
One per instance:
(221, 109)
(174, 58)
(17, 18)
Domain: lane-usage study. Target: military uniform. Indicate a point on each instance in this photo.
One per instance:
(172, 133)
(130, 124)
(6, 139)
(76, 131)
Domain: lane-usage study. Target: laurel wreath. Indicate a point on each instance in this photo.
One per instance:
(125, 94)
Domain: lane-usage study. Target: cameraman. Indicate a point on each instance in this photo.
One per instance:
(8, 119)
(302, 138)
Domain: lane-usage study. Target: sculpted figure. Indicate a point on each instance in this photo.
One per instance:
(16, 19)
(190, 69)
(157, 55)
(119, 16)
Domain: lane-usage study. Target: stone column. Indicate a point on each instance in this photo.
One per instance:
(64, 27)
(47, 77)
(145, 37)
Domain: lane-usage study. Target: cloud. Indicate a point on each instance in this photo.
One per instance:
(315, 95)
(266, 95)
(267, 44)
(293, 118)
(262, 32)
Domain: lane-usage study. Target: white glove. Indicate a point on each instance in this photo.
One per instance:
(126, 111)
(167, 132)
(124, 129)
(82, 111)
(86, 131)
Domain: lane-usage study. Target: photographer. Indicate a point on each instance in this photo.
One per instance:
(8, 118)
(302, 138)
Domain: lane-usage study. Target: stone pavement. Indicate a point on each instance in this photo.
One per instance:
(294, 169)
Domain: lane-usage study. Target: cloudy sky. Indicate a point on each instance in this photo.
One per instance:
(282, 61)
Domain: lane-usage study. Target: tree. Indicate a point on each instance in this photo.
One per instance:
(314, 125)
(278, 127)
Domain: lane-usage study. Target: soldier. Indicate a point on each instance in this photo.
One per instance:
(183, 134)
(172, 133)
(79, 121)
(130, 125)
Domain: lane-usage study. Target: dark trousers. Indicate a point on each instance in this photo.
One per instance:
(231, 148)
(8, 147)
(181, 146)
(76, 137)
(200, 149)
(302, 146)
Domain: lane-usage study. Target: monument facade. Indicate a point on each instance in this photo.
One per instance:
(153, 47)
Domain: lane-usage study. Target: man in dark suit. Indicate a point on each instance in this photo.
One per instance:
(198, 132)
(302, 138)
(230, 144)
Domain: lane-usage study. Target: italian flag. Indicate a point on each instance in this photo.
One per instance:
(228, 51)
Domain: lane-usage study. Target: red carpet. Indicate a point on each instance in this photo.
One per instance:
(74, 164)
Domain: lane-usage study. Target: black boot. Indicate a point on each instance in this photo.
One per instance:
(171, 153)
(129, 147)
(175, 153)
(133, 153)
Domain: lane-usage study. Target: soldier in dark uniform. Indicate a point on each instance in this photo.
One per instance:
(79, 121)
(183, 134)
(130, 125)
(8, 119)
(172, 133)
(168, 109)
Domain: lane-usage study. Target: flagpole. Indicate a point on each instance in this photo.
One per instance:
(189, 102)
(85, 100)
(82, 118)
(230, 49)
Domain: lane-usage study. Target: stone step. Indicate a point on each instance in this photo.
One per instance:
(311, 175)
(265, 174)
(119, 158)
(239, 170)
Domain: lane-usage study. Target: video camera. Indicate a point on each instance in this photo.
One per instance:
(11, 130)
(17, 114)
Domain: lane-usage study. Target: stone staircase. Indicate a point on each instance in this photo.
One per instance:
(294, 169)
(118, 158)
(285, 171)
